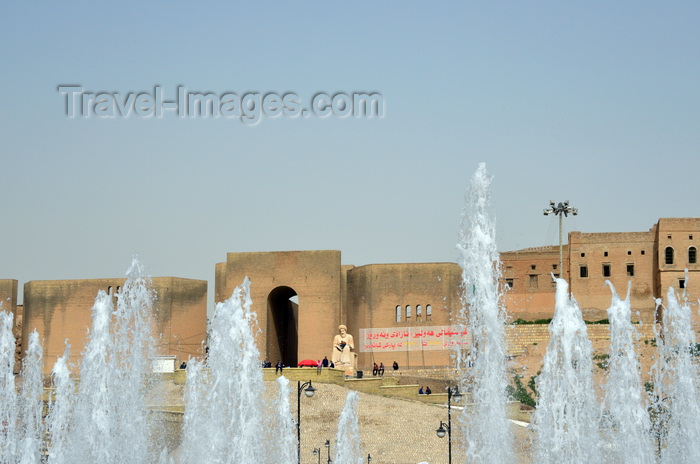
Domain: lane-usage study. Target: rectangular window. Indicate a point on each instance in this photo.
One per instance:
(630, 270)
(533, 282)
(509, 283)
(583, 271)
(606, 270)
(681, 283)
(605, 253)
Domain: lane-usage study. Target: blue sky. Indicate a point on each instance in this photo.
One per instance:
(597, 103)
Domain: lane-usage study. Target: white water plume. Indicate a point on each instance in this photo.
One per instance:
(483, 369)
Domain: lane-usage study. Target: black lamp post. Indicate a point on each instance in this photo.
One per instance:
(317, 452)
(328, 448)
(448, 427)
(369, 458)
(309, 391)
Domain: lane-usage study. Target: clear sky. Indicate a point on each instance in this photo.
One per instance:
(593, 102)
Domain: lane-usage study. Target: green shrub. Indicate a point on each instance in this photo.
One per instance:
(519, 393)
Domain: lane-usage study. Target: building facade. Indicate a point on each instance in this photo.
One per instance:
(404, 313)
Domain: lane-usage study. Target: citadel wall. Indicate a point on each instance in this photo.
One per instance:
(415, 297)
(60, 310)
(301, 297)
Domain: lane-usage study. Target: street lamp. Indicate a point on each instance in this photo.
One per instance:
(369, 458)
(309, 391)
(451, 392)
(328, 448)
(561, 210)
(317, 452)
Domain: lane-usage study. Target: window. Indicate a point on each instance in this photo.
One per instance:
(509, 283)
(419, 312)
(109, 290)
(692, 255)
(630, 270)
(583, 271)
(681, 283)
(669, 236)
(428, 312)
(642, 252)
(669, 255)
(554, 266)
(583, 255)
(533, 267)
(398, 313)
(629, 253)
(605, 253)
(690, 237)
(408, 312)
(533, 282)
(606, 270)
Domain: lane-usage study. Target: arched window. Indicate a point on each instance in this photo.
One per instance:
(398, 313)
(408, 312)
(669, 255)
(109, 290)
(419, 312)
(692, 255)
(428, 312)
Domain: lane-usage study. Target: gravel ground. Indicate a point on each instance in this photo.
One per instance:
(392, 430)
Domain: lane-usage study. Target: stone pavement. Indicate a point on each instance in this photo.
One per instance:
(392, 430)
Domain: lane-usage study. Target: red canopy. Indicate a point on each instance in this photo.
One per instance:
(307, 363)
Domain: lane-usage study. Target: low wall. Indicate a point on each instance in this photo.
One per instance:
(521, 336)
(304, 374)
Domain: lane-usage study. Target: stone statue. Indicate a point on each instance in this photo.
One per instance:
(343, 344)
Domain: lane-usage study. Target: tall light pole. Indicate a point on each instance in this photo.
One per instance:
(309, 391)
(328, 448)
(561, 210)
(441, 430)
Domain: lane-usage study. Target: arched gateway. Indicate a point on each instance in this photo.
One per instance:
(282, 325)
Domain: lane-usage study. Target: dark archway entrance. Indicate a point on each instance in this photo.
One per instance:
(282, 319)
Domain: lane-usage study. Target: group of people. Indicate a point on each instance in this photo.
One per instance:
(424, 391)
(325, 363)
(279, 366)
(378, 370)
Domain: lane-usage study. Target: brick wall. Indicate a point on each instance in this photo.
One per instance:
(520, 337)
